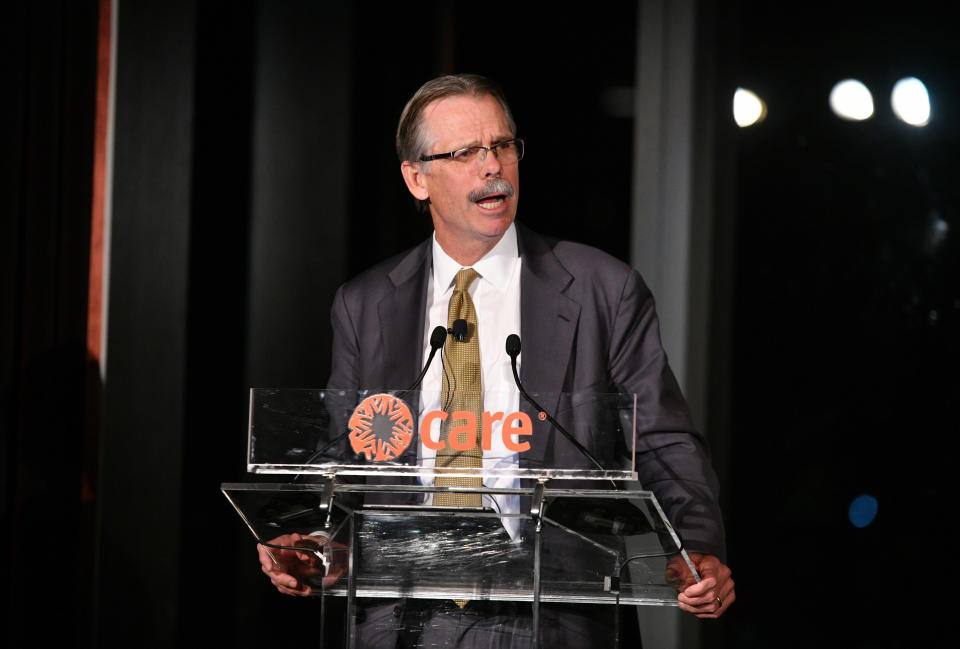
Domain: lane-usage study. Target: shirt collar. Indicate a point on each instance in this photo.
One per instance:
(496, 266)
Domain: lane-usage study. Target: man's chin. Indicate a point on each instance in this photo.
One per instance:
(504, 214)
(496, 226)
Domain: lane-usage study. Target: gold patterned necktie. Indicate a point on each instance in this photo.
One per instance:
(462, 390)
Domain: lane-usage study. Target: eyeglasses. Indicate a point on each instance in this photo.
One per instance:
(508, 152)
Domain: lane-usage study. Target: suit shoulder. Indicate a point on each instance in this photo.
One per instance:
(385, 275)
(580, 256)
(580, 268)
(594, 266)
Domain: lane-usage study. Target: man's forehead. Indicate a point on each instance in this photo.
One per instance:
(461, 119)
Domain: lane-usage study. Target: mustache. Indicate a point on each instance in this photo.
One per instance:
(491, 187)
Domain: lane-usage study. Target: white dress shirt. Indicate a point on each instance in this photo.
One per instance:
(496, 296)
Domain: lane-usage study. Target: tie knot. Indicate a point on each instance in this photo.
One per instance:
(465, 277)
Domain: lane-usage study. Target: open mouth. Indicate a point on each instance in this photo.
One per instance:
(492, 201)
(493, 194)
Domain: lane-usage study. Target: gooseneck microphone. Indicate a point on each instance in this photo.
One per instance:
(438, 337)
(513, 350)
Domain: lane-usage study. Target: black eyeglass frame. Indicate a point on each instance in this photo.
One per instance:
(493, 147)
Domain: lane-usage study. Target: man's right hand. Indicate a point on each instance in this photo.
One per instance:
(291, 569)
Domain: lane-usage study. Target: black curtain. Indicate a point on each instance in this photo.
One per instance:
(49, 391)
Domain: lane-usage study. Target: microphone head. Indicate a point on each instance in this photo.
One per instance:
(438, 337)
(459, 330)
(513, 345)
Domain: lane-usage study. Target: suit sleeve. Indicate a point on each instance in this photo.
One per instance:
(672, 456)
(345, 353)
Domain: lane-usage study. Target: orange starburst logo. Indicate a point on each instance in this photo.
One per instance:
(381, 427)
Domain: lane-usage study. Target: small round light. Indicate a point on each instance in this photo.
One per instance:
(748, 108)
(851, 100)
(863, 510)
(911, 101)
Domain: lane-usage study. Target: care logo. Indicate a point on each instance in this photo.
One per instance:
(381, 427)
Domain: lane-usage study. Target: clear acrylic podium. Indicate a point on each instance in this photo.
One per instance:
(556, 526)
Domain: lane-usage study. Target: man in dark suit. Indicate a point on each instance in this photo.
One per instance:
(587, 321)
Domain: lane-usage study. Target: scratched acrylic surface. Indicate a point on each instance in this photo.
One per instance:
(398, 546)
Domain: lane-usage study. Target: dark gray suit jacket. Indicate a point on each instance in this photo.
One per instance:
(588, 324)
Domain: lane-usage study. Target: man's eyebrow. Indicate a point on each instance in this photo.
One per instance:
(495, 141)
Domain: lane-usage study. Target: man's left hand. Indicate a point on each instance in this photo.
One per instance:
(709, 597)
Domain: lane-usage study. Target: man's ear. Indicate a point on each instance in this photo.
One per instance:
(416, 179)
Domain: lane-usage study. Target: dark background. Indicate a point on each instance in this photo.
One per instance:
(254, 172)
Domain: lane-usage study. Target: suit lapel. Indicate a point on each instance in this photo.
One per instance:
(548, 326)
(401, 315)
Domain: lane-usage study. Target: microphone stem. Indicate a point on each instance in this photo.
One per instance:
(423, 373)
(339, 438)
(563, 431)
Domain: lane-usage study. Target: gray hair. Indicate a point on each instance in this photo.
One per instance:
(411, 133)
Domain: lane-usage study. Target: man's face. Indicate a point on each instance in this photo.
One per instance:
(471, 210)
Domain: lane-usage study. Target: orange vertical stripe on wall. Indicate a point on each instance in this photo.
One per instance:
(95, 293)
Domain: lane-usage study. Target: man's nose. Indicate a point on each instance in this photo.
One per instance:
(489, 164)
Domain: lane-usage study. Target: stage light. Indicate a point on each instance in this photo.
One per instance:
(911, 101)
(851, 100)
(748, 108)
(863, 510)
(936, 232)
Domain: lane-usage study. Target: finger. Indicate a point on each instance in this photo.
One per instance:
(727, 601)
(279, 577)
(727, 595)
(269, 566)
(695, 610)
(713, 575)
(698, 595)
(702, 590)
(699, 598)
(288, 584)
(719, 605)
(303, 557)
(266, 558)
(302, 591)
(716, 607)
(710, 587)
(282, 580)
(708, 610)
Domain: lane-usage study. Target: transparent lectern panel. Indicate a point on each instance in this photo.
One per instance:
(436, 555)
(593, 547)
(272, 512)
(336, 432)
(634, 552)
